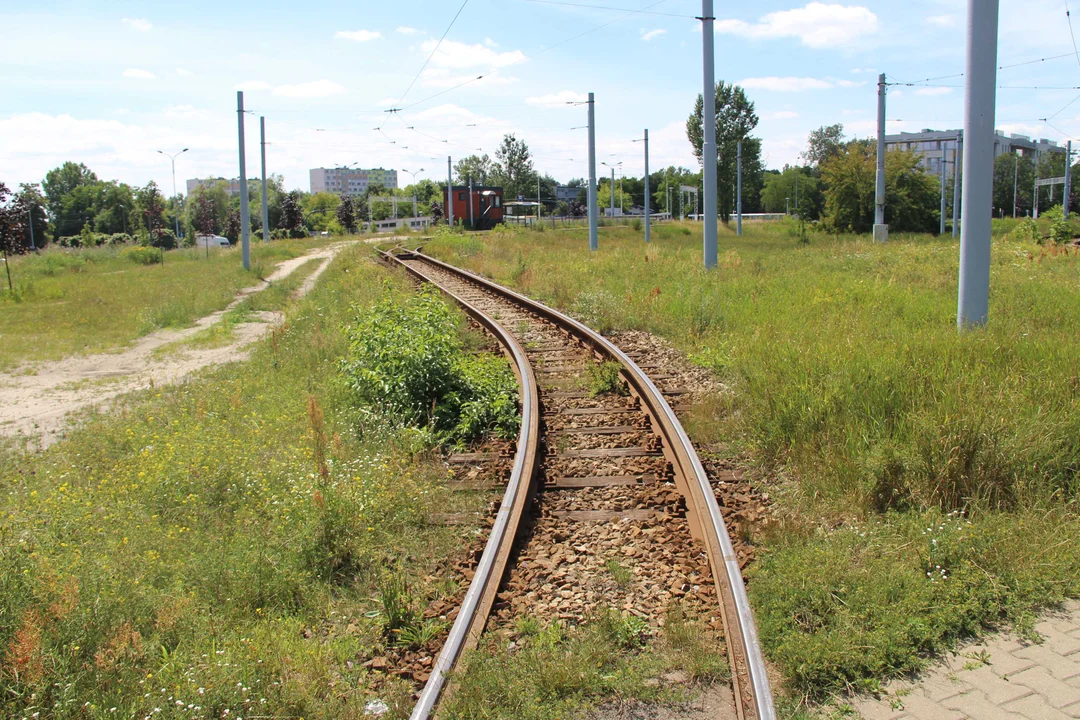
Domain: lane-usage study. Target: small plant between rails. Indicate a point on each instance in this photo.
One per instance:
(623, 527)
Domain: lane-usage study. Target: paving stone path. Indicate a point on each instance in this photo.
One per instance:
(1004, 678)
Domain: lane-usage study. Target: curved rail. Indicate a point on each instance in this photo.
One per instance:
(751, 683)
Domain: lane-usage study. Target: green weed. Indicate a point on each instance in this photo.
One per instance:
(605, 378)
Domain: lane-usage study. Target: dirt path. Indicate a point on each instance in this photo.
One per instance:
(35, 400)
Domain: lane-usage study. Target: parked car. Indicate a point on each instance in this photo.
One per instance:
(211, 241)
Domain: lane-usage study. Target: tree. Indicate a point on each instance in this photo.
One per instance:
(477, 167)
(779, 187)
(436, 212)
(233, 226)
(825, 142)
(603, 197)
(346, 215)
(113, 204)
(62, 181)
(911, 194)
(9, 230)
(514, 168)
(1008, 168)
(202, 205)
(32, 204)
(292, 214)
(320, 211)
(151, 206)
(735, 120)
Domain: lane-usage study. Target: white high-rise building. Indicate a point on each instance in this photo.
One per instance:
(354, 181)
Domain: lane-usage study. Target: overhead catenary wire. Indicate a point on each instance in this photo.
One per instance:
(608, 7)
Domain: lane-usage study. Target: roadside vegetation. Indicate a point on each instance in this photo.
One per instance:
(231, 546)
(73, 301)
(925, 483)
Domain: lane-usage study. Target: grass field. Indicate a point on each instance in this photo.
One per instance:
(84, 301)
(924, 482)
(219, 548)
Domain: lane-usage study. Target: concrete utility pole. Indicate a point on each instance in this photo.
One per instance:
(172, 159)
(941, 230)
(472, 221)
(265, 205)
(1067, 191)
(612, 190)
(796, 189)
(449, 192)
(1016, 177)
(738, 189)
(881, 230)
(979, 105)
(647, 198)
(956, 186)
(538, 198)
(708, 145)
(594, 240)
(1035, 190)
(245, 220)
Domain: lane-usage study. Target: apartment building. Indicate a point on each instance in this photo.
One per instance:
(934, 143)
(354, 181)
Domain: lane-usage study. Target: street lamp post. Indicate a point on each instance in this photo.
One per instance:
(414, 174)
(172, 159)
(616, 165)
(125, 213)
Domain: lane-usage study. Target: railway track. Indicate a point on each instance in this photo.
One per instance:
(598, 482)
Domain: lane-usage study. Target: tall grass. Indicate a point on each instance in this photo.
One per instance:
(849, 377)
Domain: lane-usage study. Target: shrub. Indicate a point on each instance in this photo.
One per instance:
(406, 359)
(164, 239)
(1061, 231)
(141, 255)
(1027, 231)
(120, 239)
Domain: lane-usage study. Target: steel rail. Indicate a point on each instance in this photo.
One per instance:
(707, 522)
(475, 608)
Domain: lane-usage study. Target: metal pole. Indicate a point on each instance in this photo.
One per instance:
(956, 186)
(978, 193)
(613, 191)
(647, 185)
(538, 198)
(594, 240)
(1067, 190)
(941, 230)
(796, 189)
(1035, 190)
(245, 219)
(708, 144)
(449, 193)
(30, 212)
(1016, 177)
(265, 206)
(176, 215)
(738, 189)
(881, 230)
(472, 224)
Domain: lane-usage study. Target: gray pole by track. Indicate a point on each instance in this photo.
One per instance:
(449, 193)
(1016, 179)
(1067, 190)
(647, 199)
(738, 190)
(957, 156)
(881, 230)
(265, 205)
(472, 221)
(613, 192)
(941, 230)
(30, 212)
(979, 106)
(245, 219)
(594, 240)
(708, 145)
(1035, 190)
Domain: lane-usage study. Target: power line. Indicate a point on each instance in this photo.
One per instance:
(433, 51)
(608, 7)
(1072, 35)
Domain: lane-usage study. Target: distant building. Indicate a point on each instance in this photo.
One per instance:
(931, 143)
(567, 194)
(354, 181)
(232, 187)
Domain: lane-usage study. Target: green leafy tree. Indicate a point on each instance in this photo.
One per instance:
(603, 197)
(233, 226)
(10, 237)
(514, 168)
(292, 214)
(478, 167)
(113, 204)
(779, 187)
(824, 143)
(320, 210)
(1008, 168)
(911, 195)
(735, 120)
(206, 221)
(346, 214)
(151, 206)
(60, 183)
(32, 204)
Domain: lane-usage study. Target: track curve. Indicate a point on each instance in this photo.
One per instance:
(706, 524)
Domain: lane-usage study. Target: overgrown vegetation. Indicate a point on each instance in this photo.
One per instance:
(871, 417)
(407, 361)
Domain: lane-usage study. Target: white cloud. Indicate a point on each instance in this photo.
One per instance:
(358, 35)
(140, 24)
(560, 98)
(782, 115)
(945, 21)
(313, 89)
(406, 30)
(652, 33)
(931, 91)
(462, 56)
(850, 83)
(490, 43)
(183, 73)
(139, 74)
(386, 102)
(785, 84)
(818, 25)
(252, 86)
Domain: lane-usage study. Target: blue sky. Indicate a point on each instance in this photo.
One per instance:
(111, 82)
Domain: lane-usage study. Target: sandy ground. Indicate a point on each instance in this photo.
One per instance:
(36, 400)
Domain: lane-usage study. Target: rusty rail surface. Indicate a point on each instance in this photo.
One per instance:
(750, 682)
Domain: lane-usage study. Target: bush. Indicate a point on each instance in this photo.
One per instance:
(406, 359)
(1061, 231)
(120, 239)
(164, 239)
(141, 255)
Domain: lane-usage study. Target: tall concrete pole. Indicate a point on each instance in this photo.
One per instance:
(973, 302)
(738, 190)
(472, 221)
(265, 204)
(612, 192)
(708, 145)
(941, 230)
(245, 220)
(594, 240)
(1016, 178)
(957, 155)
(881, 230)
(1035, 190)
(647, 198)
(449, 192)
(30, 212)
(1067, 190)
(796, 189)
